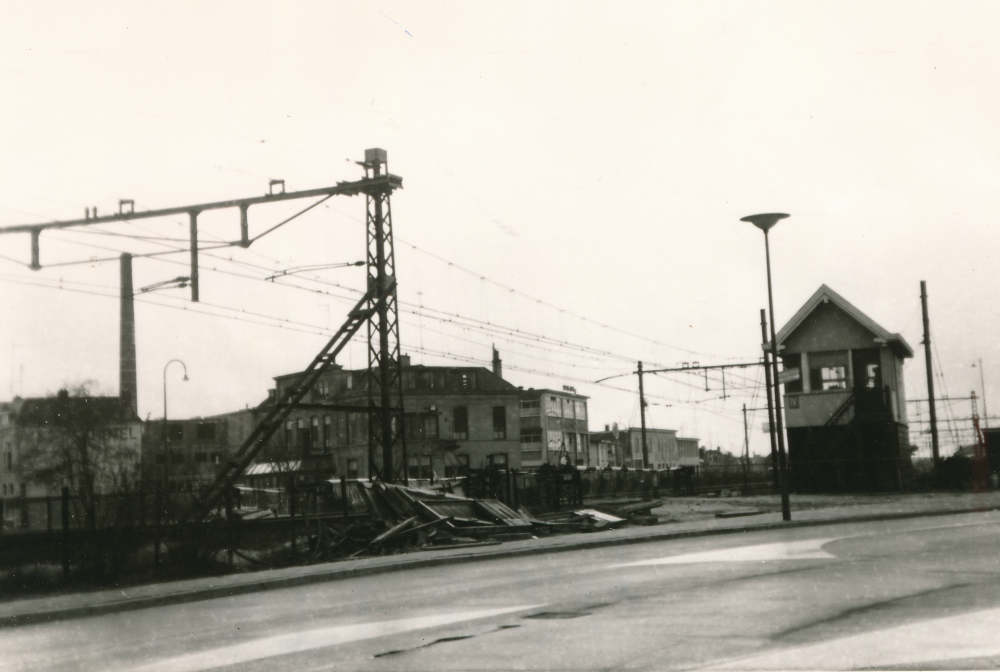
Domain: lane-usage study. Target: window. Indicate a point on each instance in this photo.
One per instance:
(425, 380)
(530, 408)
(9, 459)
(327, 434)
(214, 458)
(459, 470)
(175, 432)
(429, 424)
(420, 466)
(352, 468)
(322, 389)
(205, 431)
(499, 422)
(497, 460)
(834, 377)
(467, 380)
(581, 410)
(314, 444)
(409, 380)
(552, 408)
(201, 457)
(461, 422)
(531, 438)
(421, 426)
(791, 363)
(871, 376)
(289, 436)
(302, 436)
(555, 439)
(176, 457)
(828, 371)
(161, 459)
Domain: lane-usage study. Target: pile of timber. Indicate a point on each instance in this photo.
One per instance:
(404, 519)
(423, 519)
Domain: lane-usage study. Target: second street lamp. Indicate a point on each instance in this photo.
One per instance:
(765, 222)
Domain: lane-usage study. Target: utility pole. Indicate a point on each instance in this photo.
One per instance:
(642, 418)
(982, 383)
(935, 446)
(770, 406)
(746, 458)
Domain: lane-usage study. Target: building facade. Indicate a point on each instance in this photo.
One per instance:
(553, 428)
(456, 418)
(89, 444)
(185, 454)
(664, 449)
(844, 402)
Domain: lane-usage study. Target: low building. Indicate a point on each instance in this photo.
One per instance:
(664, 449)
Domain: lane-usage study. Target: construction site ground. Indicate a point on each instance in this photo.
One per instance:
(679, 518)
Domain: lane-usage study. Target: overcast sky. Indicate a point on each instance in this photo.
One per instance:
(574, 171)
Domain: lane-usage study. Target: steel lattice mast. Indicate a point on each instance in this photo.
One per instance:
(386, 433)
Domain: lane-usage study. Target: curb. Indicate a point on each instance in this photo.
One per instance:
(336, 574)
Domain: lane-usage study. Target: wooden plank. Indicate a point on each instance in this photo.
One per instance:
(393, 531)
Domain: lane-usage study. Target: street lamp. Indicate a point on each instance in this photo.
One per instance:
(764, 222)
(166, 440)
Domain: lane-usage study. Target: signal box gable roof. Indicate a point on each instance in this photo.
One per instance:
(824, 295)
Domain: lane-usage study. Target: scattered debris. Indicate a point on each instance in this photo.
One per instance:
(404, 519)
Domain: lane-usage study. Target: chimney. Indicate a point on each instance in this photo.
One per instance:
(127, 384)
(607, 428)
(497, 364)
(404, 360)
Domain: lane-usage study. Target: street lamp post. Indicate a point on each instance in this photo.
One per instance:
(764, 222)
(166, 437)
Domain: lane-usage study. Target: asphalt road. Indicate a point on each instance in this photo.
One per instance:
(910, 594)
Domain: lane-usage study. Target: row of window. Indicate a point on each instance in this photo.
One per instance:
(828, 371)
(557, 407)
(531, 440)
(316, 435)
(8, 489)
(204, 431)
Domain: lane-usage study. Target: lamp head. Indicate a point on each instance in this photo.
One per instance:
(185, 377)
(764, 221)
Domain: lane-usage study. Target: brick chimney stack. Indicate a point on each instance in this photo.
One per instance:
(497, 364)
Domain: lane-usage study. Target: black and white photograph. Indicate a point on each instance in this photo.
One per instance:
(483, 336)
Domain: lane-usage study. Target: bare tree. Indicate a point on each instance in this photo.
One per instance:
(85, 443)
